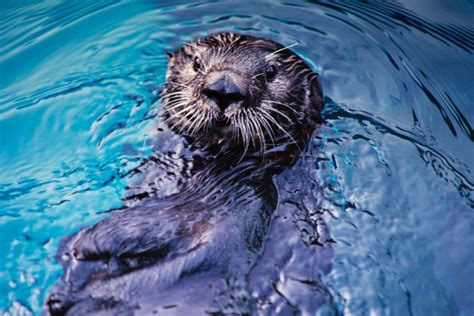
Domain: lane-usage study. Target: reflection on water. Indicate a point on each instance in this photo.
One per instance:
(387, 180)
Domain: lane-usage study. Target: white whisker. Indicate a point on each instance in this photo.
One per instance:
(280, 103)
(273, 54)
(277, 112)
(268, 116)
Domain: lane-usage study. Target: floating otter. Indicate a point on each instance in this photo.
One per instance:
(246, 107)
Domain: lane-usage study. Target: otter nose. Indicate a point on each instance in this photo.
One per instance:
(224, 91)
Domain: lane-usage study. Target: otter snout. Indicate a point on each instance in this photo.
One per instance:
(225, 88)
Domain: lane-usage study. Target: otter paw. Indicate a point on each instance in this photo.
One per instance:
(57, 304)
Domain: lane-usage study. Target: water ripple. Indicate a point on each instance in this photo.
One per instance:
(376, 218)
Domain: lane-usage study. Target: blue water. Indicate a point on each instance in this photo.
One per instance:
(394, 160)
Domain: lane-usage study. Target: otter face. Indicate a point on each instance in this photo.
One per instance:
(239, 90)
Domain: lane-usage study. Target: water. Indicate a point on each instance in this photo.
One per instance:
(389, 173)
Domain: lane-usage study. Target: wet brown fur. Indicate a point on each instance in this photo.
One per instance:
(140, 256)
(283, 109)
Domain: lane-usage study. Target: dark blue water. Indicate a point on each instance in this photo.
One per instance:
(390, 172)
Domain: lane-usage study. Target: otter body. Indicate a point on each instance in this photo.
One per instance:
(246, 107)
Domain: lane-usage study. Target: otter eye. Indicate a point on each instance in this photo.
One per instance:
(271, 72)
(197, 64)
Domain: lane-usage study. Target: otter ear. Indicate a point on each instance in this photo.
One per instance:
(169, 55)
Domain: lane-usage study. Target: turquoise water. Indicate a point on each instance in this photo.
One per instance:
(79, 83)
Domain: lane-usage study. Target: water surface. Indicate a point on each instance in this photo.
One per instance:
(389, 173)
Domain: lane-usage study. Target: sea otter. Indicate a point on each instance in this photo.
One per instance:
(246, 107)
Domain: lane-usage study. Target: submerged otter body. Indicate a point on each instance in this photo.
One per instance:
(246, 107)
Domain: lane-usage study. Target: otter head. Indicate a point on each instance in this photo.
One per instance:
(238, 91)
